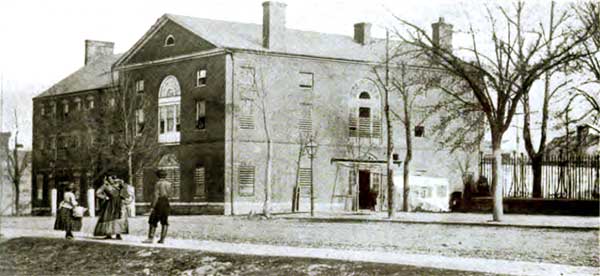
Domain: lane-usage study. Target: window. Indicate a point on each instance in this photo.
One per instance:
(246, 77)
(92, 139)
(170, 40)
(200, 77)
(65, 104)
(53, 142)
(442, 191)
(365, 111)
(200, 114)
(42, 110)
(364, 122)
(139, 121)
(90, 102)
(111, 139)
(246, 181)
(169, 99)
(139, 86)
(306, 80)
(200, 182)
(53, 107)
(419, 131)
(112, 102)
(39, 183)
(247, 114)
(77, 104)
(305, 120)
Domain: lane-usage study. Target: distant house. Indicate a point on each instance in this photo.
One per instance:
(585, 141)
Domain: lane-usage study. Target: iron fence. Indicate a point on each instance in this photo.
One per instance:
(563, 176)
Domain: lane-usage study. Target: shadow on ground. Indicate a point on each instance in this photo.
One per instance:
(47, 256)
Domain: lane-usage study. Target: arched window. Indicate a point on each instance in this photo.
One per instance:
(170, 40)
(169, 102)
(365, 110)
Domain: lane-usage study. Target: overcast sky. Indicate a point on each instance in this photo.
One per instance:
(43, 41)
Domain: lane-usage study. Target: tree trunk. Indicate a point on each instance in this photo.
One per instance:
(497, 174)
(406, 188)
(130, 168)
(17, 195)
(536, 168)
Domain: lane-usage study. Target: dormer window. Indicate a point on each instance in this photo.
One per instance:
(201, 77)
(170, 40)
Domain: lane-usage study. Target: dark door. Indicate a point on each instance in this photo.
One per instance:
(364, 188)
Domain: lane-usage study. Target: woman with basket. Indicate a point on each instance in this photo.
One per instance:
(69, 213)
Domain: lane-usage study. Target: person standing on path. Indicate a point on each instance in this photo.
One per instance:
(160, 208)
(65, 219)
(109, 218)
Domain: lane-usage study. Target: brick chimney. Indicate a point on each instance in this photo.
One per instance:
(273, 24)
(362, 33)
(442, 34)
(95, 49)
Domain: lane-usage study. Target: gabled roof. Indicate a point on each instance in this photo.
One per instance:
(94, 75)
(248, 36)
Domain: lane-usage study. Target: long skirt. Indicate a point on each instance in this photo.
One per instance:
(111, 219)
(66, 222)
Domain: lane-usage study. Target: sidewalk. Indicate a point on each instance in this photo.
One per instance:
(473, 219)
(454, 263)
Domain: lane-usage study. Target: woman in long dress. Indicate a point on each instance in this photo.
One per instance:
(109, 218)
(64, 218)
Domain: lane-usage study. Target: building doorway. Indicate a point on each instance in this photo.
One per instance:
(364, 189)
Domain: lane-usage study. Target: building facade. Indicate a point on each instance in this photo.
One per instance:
(226, 102)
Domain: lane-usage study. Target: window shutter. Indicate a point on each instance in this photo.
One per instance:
(376, 126)
(246, 181)
(305, 120)
(200, 182)
(173, 177)
(353, 122)
(247, 114)
(305, 181)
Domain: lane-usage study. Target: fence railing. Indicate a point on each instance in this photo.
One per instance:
(563, 176)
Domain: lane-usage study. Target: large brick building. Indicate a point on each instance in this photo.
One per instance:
(206, 85)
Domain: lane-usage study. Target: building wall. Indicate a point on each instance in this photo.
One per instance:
(335, 87)
(61, 143)
(197, 147)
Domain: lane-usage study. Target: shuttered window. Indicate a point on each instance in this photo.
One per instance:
(305, 181)
(305, 120)
(200, 182)
(173, 177)
(246, 180)
(247, 114)
(364, 122)
(353, 123)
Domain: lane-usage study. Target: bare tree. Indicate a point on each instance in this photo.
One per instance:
(501, 77)
(16, 165)
(134, 142)
(537, 155)
(411, 87)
